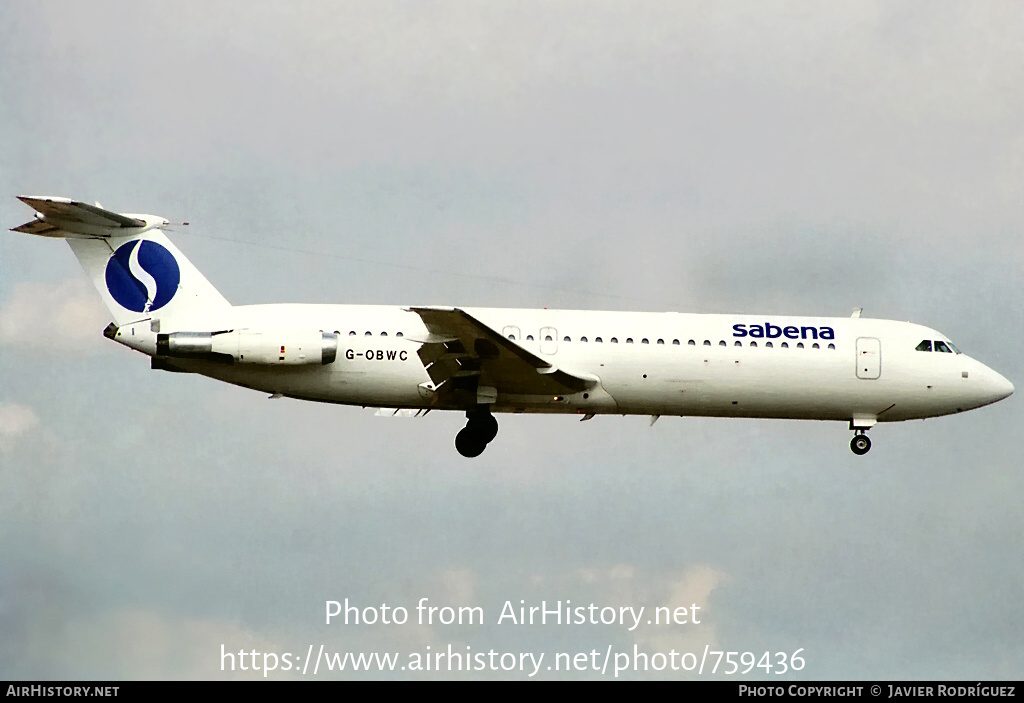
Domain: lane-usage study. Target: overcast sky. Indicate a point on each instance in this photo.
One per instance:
(773, 157)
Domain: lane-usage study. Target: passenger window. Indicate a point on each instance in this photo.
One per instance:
(722, 343)
(615, 340)
(583, 339)
(737, 343)
(661, 341)
(352, 333)
(784, 345)
(566, 339)
(529, 337)
(831, 346)
(629, 340)
(675, 341)
(707, 342)
(768, 344)
(815, 346)
(926, 345)
(547, 338)
(941, 347)
(512, 337)
(799, 345)
(368, 334)
(598, 339)
(399, 334)
(644, 341)
(383, 334)
(692, 343)
(753, 344)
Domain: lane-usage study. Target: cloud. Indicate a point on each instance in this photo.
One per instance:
(61, 317)
(460, 585)
(143, 644)
(694, 588)
(15, 420)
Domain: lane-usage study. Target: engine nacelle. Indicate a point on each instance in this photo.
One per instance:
(270, 347)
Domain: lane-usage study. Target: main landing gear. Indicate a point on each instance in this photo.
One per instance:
(480, 429)
(860, 444)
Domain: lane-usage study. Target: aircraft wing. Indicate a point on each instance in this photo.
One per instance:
(63, 215)
(463, 355)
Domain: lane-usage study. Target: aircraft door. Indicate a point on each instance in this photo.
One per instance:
(869, 358)
(512, 332)
(548, 340)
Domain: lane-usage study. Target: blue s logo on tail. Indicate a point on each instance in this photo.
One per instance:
(142, 276)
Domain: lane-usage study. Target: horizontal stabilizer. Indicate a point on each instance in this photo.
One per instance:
(63, 217)
(40, 227)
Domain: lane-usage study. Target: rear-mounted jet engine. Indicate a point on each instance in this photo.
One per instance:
(274, 348)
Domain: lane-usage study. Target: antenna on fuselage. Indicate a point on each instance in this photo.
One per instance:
(857, 312)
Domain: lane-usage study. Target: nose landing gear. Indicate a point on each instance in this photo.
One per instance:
(861, 423)
(480, 429)
(860, 444)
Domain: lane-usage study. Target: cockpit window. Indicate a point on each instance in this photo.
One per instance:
(926, 345)
(941, 347)
(955, 350)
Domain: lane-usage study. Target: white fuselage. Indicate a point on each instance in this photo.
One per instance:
(485, 360)
(648, 363)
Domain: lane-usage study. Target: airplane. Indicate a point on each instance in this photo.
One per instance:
(485, 361)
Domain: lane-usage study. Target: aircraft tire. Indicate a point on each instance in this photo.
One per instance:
(469, 443)
(860, 444)
(485, 426)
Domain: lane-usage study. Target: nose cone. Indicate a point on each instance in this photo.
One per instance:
(996, 387)
(1004, 389)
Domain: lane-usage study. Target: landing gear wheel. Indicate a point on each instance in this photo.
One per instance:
(469, 442)
(860, 444)
(483, 425)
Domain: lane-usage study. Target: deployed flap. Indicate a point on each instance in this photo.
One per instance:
(475, 356)
(63, 215)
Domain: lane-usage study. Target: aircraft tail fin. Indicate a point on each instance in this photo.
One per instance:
(138, 272)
